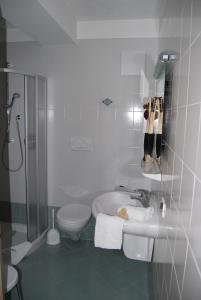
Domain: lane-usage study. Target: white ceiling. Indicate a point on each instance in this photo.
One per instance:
(86, 10)
(61, 21)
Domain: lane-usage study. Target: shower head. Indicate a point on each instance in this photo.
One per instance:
(9, 107)
(15, 96)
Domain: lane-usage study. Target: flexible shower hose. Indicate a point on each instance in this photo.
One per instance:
(4, 148)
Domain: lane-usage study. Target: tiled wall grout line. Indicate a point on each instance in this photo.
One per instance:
(188, 241)
(173, 169)
(196, 39)
(197, 178)
(199, 33)
(192, 203)
(166, 288)
(187, 249)
(195, 261)
(172, 254)
(189, 105)
(197, 150)
(185, 164)
(183, 192)
(178, 94)
(177, 282)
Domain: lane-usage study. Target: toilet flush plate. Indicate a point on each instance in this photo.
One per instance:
(81, 143)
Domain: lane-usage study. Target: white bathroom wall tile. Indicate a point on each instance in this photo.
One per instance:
(172, 128)
(164, 160)
(130, 85)
(195, 73)
(138, 104)
(89, 113)
(159, 258)
(164, 29)
(138, 120)
(125, 119)
(139, 182)
(172, 221)
(196, 21)
(180, 256)
(164, 295)
(174, 291)
(60, 114)
(180, 131)
(184, 76)
(160, 250)
(136, 139)
(130, 156)
(130, 175)
(129, 138)
(186, 27)
(170, 161)
(125, 103)
(198, 156)
(168, 268)
(169, 128)
(168, 171)
(149, 89)
(74, 111)
(192, 280)
(195, 228)
(130, 102)
(107, 119)
(177, 173)
(185, 205)
(191, 137)
(175, 86)
(171, 26)
(129, 171)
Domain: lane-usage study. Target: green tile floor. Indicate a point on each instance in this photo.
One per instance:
(79, 271)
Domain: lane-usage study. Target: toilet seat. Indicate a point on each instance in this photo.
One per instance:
(72, 214)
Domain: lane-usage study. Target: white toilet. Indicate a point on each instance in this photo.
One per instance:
(72, 218)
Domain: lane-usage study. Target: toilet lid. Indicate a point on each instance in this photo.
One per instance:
(74, 213)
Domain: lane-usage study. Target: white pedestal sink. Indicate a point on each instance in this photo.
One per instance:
(138, 235)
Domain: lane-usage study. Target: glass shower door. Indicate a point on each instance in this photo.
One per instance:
(36, 156)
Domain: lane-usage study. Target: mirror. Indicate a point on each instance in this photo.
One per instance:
(157, 106)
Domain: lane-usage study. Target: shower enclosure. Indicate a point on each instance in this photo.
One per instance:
(24, 157)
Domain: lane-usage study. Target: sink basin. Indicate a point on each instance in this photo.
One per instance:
(108, 203)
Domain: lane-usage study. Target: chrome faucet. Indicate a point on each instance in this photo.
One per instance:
(139, 194)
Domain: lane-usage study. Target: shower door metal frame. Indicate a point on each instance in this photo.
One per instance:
(29, 237)
(7, 70)
(37, 77)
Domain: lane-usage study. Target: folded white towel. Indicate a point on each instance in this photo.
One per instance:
(108, 231)
(138, 213)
